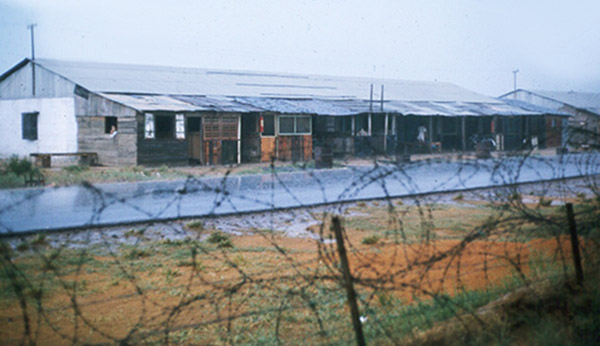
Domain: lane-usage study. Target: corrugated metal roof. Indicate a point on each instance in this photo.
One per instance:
(184, 103)
(455, 108)
(148, 103)
(534, 108)
(583, 100)
(157, 88)
(217, 103)
(140, 79)
(306, 106)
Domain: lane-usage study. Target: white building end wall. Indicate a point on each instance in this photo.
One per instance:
(57, 127)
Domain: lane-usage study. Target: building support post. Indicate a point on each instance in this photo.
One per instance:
(463, 128)
(276, 132)
(494, 131)
(430, 137)
(395, 133)
(239, 141)
(353, 131)
(385, 133)
(527, 139)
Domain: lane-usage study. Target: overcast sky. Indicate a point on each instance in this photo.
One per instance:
(475, 44)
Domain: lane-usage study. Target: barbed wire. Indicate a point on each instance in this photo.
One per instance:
(202, 283)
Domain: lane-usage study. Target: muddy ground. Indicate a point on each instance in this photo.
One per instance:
(133, 282)
(297, 223)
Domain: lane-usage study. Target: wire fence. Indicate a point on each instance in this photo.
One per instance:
(263, 266)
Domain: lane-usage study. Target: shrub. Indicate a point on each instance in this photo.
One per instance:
(198, 224)
(19, 166)
(15, 169)
(10, 180)
(515, 196)
(135, 254)
(39, 240)
(24, 246)
(220, 238)
(371, 240)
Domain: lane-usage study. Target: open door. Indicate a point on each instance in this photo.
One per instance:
(195, 139)
(250, 138)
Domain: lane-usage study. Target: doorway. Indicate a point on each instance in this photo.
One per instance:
(194, 134)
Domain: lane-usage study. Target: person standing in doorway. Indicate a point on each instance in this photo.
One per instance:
(422, 133)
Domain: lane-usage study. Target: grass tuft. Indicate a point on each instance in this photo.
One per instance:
(545, 202)
(196, 224)
(222, 240)
(371, 240)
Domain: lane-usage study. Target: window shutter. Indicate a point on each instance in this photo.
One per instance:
(149, 126)
(179, 126)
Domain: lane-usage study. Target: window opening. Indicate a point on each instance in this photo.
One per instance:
(109, 123)
(164, 126)
(294, 125)
(193, 124)
(30, 125)
(268, 125)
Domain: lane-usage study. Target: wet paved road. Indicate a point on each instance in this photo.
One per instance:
(28, 210)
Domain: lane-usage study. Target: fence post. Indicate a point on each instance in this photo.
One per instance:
(574, 243)
(337, 229)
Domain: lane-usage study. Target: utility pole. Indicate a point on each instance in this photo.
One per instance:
(30, 27)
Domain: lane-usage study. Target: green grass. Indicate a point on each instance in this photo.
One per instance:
(222, 240)
(73, 169)
(72, 175)
(11, 181)
(196, 224)
(299, 307)
(371, 240)
(458, 197)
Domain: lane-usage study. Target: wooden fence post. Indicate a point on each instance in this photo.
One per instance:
(337, 229)
(574, 243)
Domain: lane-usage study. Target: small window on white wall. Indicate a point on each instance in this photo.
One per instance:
(29, 128)
(179, 126)
(149, 126)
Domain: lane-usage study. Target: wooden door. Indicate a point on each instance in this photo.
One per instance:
(194, 133)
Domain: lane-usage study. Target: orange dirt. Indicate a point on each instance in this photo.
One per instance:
(107, 310)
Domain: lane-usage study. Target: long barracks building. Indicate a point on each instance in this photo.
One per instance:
(171, 115)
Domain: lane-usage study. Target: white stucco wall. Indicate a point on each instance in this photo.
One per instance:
(57, 127)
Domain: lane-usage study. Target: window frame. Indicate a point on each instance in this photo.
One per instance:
(295, 125)
(108, 122)
(164, 135)
(30, 132)
(275, 125)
